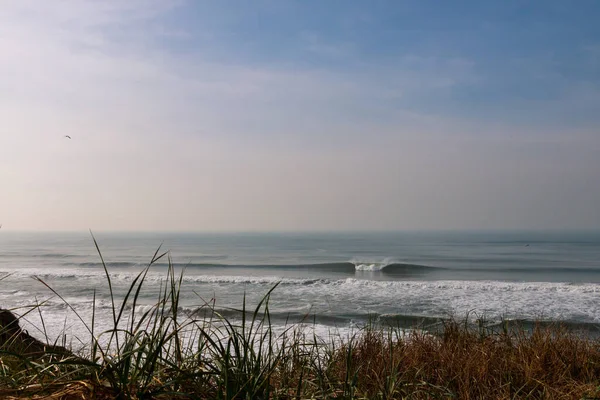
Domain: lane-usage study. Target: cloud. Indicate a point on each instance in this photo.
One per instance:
(125, 85)
(168, 140)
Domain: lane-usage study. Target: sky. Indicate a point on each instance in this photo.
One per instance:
(276, 115)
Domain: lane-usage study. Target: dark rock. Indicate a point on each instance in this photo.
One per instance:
(14, 340)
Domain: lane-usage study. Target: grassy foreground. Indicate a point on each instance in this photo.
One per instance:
(161, 354)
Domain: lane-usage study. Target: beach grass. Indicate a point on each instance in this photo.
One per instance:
(161, 353)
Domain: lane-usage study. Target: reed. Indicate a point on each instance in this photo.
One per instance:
(160, 353)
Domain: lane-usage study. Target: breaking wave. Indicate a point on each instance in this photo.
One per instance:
(349, 267)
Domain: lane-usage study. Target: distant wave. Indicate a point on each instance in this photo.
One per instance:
(393, 267)
(385, 267)
(122, 264)
(349, 267)
(536, 269)
(38, 255)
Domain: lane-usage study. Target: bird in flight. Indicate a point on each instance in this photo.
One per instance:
(68, 137)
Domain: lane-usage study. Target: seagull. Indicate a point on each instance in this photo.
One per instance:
(68, 137)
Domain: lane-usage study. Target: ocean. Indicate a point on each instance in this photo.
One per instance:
(332, 282)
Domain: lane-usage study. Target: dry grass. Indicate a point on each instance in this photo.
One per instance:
(161, 354)
(466, 363)
(459, 362)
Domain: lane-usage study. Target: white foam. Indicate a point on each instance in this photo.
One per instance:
(370, 265)
(351, 298)
(574, 302)
(155, 276)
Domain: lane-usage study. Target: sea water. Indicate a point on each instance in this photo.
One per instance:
(330, 281)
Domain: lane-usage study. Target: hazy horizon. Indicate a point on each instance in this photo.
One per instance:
(299, 116)
(95, 233)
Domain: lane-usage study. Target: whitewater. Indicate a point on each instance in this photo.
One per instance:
(331, 282)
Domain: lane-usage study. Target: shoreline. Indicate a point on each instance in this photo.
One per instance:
(149, 355)
(140, 335)
(228, 361)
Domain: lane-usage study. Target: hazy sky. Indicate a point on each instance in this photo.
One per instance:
(299, 115)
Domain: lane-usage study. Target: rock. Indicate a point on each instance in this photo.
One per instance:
(14, 340)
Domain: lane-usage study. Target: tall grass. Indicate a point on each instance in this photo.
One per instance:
(160, 353)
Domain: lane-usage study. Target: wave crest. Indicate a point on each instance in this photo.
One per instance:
(391, 266)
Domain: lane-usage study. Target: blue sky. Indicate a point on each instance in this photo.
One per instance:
(306, 115)
(499, 56)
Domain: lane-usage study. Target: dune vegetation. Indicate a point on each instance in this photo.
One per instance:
(160, 353)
